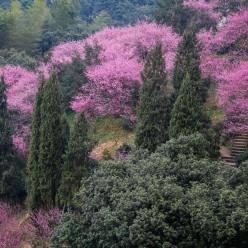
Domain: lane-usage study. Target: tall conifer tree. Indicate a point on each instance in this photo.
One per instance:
(188, 115)
(188, 61)
(154, 107)
(5, 135)
(11, 176)
(76, 161)
(51, 142)
(33, 172)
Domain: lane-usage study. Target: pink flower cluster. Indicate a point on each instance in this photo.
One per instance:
(230, 70)
(10, 231)
(121, 62)
(21, 90)
(42, 223)
(22, 86)
(37, 226)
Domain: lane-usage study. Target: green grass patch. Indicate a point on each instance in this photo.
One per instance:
(104, 129)
(216, 115)
(108, 128)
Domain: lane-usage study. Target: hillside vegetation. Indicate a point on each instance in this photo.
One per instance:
(123, 123)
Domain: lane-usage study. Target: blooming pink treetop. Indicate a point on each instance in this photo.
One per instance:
(121, 62)
(230, 70)
(21, 90)
(38, 226)
(21, 87)
(109, 90)
(10, 231)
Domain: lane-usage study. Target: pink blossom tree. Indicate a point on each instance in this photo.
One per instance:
(121, 61)
(10, 231)
(38, 226)
(21, 91)
(229, 68)
(110, 83)
(41, 224)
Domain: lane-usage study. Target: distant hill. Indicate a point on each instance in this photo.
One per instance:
(6, 3)
(122, 12)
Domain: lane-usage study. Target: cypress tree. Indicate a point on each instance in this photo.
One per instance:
(76, 161)
(5, 135)
(65, 132)
(6, 154)
(11, 175)
(188, 61)
(188, 116)
(71, 78)
(33, 170)
(51, 142)
(154, 106)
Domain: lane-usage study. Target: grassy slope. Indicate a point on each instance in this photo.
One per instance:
(108, 134)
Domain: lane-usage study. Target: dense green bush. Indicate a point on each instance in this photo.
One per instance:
(13, 57)
(187, 146)
(158, 202)
(242, 157)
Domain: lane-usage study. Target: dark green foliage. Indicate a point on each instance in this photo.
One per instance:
(121, 12)
(154, 106)
(76, 161)
(71, 78)
(186, 146)
(173, 13)
(135, 95)
(5, 140)
(213, 135)
(33, 168)
(13, 57)
(65, 132)
(187, 60)
(188, 115)
(65, 13)
(51, 142)
(92, 54)
(157, 202)
(12, 185)
(192, 117)
(52, 37)
(242, 157)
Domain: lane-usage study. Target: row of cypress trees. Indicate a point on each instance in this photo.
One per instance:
(57, 159)
(164, 113)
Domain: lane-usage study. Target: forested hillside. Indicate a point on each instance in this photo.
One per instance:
(120, 12)
(124, 123)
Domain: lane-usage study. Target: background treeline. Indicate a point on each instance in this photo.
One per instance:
(37, 27)
(34, 26)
